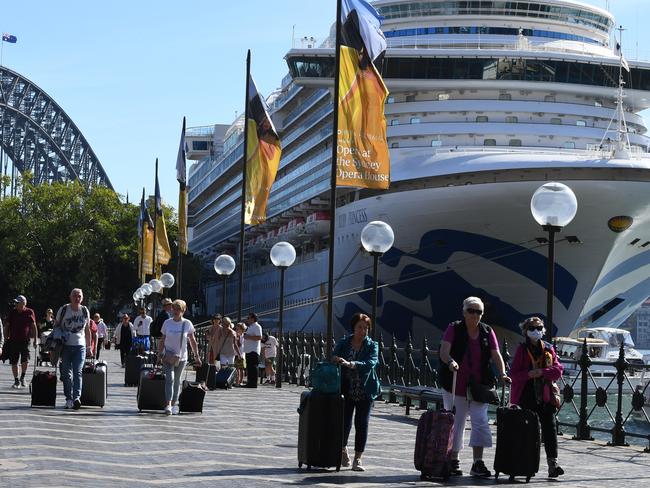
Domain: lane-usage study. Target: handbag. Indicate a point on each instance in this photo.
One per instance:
(326, 377)
(171, 358)
(552, 394)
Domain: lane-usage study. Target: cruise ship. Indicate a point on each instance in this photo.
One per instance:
(488, 101)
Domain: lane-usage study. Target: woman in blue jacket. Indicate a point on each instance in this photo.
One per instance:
(357, 354)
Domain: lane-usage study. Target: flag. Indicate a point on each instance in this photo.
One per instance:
(157, 198)
(145, 252)
(181, 177)
(263, 156)
(163, 252)
(9, 38)
(363, 158)
(361, 29)
(618, 51)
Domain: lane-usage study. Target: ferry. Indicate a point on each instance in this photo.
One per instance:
(488, 101)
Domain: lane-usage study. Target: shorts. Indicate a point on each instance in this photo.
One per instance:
(270, 362)
(18, 349)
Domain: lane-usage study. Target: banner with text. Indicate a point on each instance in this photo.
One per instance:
(362, 159)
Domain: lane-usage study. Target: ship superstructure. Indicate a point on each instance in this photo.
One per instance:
(489, 99)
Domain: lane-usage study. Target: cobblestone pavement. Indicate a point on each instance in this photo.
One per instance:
(243, 438)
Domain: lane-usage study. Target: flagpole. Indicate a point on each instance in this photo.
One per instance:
(335, 125)
(142, 237)
(155, 223)
(181, 187)
(243, 192)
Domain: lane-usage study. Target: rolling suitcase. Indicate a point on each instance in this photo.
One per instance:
(225, 377)
(191, 397)
(132, 368)
(43, 389)
(518, 442)
(320, 429)
(434, 441)
(94, 384)
(207, 374)
(151, 390)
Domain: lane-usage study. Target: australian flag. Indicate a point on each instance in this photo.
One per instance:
(9, 38)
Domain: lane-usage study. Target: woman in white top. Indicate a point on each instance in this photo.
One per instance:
(176, 332)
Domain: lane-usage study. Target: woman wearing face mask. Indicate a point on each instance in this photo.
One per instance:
(534, 369)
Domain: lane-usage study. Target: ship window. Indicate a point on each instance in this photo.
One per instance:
(512, 119)
(415, 120)
(489, 142)
(394, 122)
(481, 118)
(549, 98)
(505, 96)
(556, 121)
(200, 145)
(514, 142)
(394, 145)
(569, 145)
(410, 98)
(390, 100)
(436, 143)
(581, 123)
(443, 96)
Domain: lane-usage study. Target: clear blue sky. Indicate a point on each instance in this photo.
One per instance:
(127, 72)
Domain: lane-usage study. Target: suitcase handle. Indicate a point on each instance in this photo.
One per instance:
(453, 391)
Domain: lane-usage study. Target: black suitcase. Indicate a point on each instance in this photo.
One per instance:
(151, 390)
(191, 398)
(132, 368)
(43, 389)
(225, 377)
(320, 430)
(94, 384)
(207, 374)
(518, 443)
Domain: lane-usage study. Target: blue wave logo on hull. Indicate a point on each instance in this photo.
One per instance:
(445, 289)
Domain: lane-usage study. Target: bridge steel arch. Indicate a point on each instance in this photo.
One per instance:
(39, 137)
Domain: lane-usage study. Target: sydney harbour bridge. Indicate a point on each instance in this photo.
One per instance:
(39, 137)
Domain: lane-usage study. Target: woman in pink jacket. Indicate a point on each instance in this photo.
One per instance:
(534, 371)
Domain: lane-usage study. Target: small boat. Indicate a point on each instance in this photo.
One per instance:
(603, 345)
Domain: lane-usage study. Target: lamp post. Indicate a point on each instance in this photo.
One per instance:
(283, 255)
(377, 237)
(553, 205)
(224, 265)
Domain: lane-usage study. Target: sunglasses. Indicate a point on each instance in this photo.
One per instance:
(536, 327)
(474, 311)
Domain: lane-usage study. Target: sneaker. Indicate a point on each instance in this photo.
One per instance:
(454, 468)
(16, 384)
(479, 470)
(555, 471)
(175, 410)
(68, 404)
(22, 383)
(357, 466)
(76, 404)
(345, 459)
(168, 410)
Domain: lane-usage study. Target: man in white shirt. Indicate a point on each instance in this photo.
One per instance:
(270, 345)
(102, 334)
(142, 324)
(252, 349)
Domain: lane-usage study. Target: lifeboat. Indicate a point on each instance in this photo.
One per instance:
(295, 229)
(317, 224)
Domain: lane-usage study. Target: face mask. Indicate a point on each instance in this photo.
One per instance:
(535, 335)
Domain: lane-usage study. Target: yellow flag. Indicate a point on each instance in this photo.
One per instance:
(147, 248)
(362, 159)
(163, 252)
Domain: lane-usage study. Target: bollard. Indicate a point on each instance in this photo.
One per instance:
(618, 432)
(583, 431)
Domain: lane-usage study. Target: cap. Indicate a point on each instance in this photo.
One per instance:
(166, 301)
(20, 299)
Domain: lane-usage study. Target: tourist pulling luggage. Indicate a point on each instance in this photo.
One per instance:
(151, 390)
(320, 429)
(43, 387)
(94, 385)
(518, 442)
(434, 441)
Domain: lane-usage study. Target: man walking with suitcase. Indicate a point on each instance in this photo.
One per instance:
(21, 326)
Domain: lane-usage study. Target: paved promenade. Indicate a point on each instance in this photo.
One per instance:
(243, 438)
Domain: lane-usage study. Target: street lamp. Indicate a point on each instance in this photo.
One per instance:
(553, 205)
(167, 280)
(156, 285)
(283, 255)
(377, 237)
(224, 265)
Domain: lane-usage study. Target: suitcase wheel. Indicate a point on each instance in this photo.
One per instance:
(299, 465)
(496, 475)
(527, 478)
(512, 478)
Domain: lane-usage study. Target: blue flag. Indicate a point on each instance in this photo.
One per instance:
(9, 38)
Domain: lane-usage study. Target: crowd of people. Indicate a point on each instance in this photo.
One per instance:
(469, 354)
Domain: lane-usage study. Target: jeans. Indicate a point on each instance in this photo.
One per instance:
(361, 411)
(72, 362)
(252, 361)
(173, 376)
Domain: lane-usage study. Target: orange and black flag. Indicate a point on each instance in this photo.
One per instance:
(363, 158)
(262, 157)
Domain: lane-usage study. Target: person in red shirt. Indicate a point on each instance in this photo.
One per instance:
(93, 338)
(21, 328)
